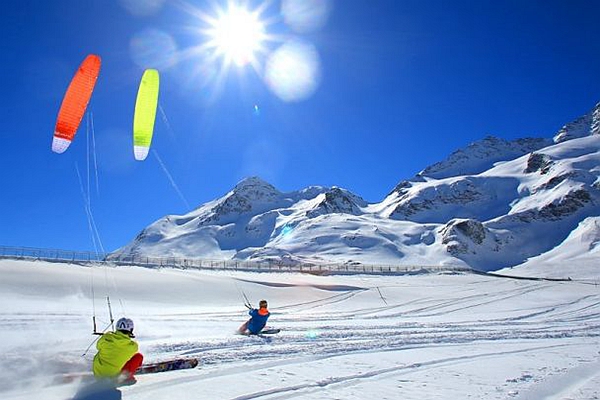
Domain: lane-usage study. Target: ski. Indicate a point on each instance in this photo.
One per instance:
(270, 331)
(168, 365)
(161, 366)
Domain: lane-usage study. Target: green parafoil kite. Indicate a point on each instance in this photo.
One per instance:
(145, 113)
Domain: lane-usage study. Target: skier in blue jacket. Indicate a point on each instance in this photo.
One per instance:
(258, 320)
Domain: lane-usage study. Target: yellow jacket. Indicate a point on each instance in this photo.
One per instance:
(114, 350)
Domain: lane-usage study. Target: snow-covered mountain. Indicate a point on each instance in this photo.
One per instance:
(491, 205)
(255, 221)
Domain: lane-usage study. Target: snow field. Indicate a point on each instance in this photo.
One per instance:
(433, 336)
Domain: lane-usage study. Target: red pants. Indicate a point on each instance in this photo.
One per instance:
(133, 364)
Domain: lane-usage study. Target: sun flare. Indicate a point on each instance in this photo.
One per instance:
(237, 35)
(234, 35)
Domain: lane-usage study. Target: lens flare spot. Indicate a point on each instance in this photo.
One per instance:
(142, 8)
(153, 48)
(305, 16)
(293, 71)
(286, 230)
(312, 335)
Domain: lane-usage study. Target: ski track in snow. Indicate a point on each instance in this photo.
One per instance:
(382, 329)
(425, 333)
(343, 337)
(349, 379)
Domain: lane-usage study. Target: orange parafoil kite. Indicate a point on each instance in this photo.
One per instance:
(75, 102)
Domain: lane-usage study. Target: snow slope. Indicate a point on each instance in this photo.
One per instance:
(580, 249)
(431, 336)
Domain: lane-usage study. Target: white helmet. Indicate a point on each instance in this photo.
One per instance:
(125, 324)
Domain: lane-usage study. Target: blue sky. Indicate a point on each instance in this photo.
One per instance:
(402, 85)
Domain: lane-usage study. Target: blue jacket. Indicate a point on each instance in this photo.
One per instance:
(258, 320)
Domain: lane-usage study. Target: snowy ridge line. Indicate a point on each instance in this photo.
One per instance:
(88, 258)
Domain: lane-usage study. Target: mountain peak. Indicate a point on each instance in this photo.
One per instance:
(255, 189)
(249, 194)
(253, 182)
(586, 125)
(338, 200)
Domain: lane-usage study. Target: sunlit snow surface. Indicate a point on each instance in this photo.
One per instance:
(431, 336)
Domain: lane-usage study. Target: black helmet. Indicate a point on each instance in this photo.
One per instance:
(262, 304)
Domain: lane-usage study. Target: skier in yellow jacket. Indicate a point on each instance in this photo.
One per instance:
(118, 355)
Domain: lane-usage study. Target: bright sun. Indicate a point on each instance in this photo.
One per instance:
(236, 36)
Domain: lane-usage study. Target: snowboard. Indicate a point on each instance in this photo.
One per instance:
(169, 365)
